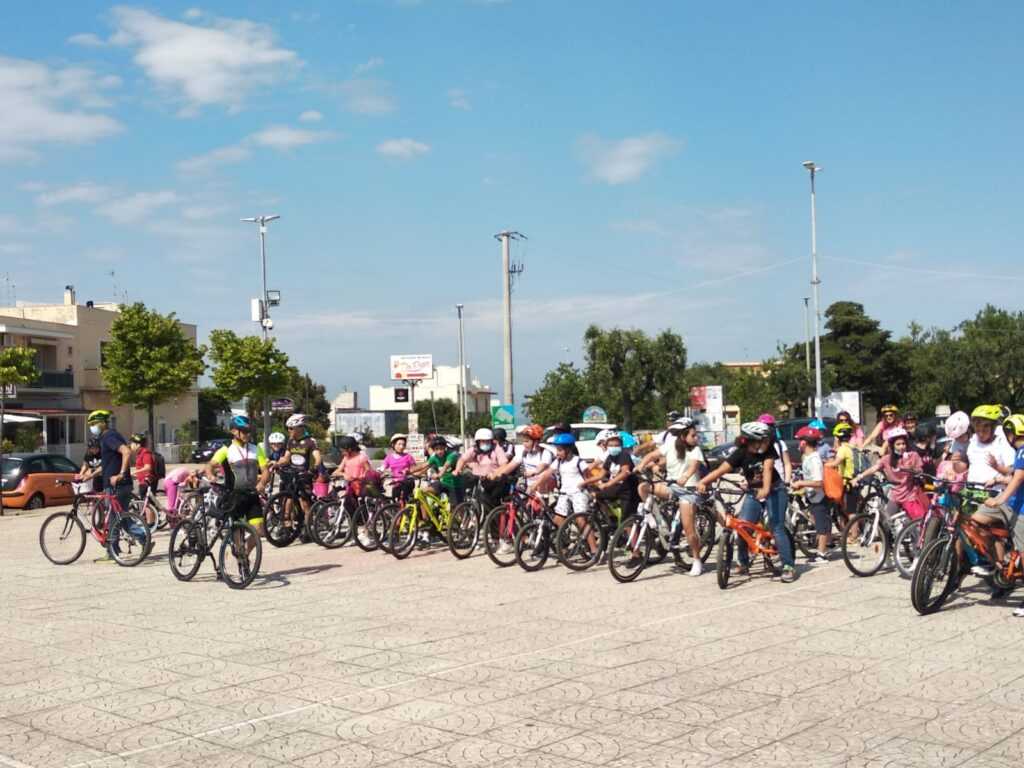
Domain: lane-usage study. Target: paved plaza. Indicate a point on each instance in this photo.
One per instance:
(351, 659)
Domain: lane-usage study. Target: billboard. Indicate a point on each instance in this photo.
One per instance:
(412, 367)
(346, 422)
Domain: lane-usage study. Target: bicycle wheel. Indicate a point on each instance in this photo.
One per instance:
(629, 549)
(866, 553)
(330, 524)
(186, 550)
(463, 532)
(704, 523)
(129, 540)
(500, 528)
(380, 525)
(579, 542)
(724, 566)
(241, 553)
(936, 576)
(804, 536)
(532, 546)
(279, 533)
(905, 550)
(62, 538)
(403, 532)
(361, 531)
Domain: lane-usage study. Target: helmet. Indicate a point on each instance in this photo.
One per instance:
(605, 434)
(241, 423)
(896, 433)
(672, 415)
(93, 443)
(842, 430)
(534, 431)
(100, 415)
(397, 436)
(500, 434)
(1015, 424)
(924, 432)
(681, 424)
(276, 437)
(139, 437)
(357, 436)
(564, 439)
(296, 420)
(438, 442)
(756, 430)
(766, 418)
(956, 425)
(910, 415)
(808, 433)
(628, 441)
(988, 413)
(348, 443)
(483, 434)
(886, 409)
(817, 424)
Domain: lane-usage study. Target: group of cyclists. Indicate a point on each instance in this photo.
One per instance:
(985, 448)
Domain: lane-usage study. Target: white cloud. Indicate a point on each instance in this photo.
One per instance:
(203, 212)
(86, 192)
(458, 99)
(193, 13)
(87, 40)
(310, 116)
(216, 63)
(50, 106)
(284, 137)
(405, 149)
(367, 96)
(626, 160)
(369, 65)
(215, 158)
(32, 186)
(132, 208)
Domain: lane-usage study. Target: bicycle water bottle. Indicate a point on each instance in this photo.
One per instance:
(676, 531)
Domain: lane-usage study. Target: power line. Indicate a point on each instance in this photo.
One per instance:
(924, 270)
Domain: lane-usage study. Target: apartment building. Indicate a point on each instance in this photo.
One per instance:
(69, 339)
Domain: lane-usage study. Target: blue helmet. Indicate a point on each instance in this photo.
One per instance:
(628, 441)
(242, 423)
(563, 438)
(819, 425)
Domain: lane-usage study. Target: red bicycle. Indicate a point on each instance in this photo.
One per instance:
(127, 538)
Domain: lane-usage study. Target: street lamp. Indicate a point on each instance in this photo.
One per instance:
(815, 284)
(462, 377)
(267, 301)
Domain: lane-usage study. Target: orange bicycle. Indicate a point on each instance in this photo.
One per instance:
(756, 536)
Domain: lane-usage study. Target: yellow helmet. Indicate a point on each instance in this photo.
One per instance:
(987, 412)
(1015, 424)
(100, 415)
(888, 409)
(841, 429)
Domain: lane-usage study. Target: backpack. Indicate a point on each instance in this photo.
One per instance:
(832, 483)
(159, 466)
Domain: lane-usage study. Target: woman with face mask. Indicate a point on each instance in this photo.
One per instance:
(901, 468)
(484, 461)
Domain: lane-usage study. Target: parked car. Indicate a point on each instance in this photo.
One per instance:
(584, 434)
(205, 451)
(29, 480)
(787, 428)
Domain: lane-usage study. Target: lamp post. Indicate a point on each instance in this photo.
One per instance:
(462, 377)
(264, 314)
(807, 348)
(813, 169)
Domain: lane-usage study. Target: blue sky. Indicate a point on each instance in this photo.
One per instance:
(650, 151)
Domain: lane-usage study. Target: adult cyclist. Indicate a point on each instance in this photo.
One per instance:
(246, 472)
(485, 460)
(303, 456)
(114, 458)
(990, 458)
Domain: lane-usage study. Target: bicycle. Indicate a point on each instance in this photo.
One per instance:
(582, 538)
(280, 516)
(800, 521)
(759, 540)
(463, 531)
(148, 503)
(127, 539)
(917, 534)
(534, 540)
(330, 520)
(869, 539)
(504, 522)
(241, 552)
(428, 513)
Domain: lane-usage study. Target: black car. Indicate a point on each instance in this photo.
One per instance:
(205, 451)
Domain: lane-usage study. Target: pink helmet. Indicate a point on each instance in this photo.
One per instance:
(895, 433)
(956, 425)
(767, 418)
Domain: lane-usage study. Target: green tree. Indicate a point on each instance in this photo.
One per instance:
(862, 354)
(249, 367)
(149, 360)
(211, 405)
(562, 396)
(17, 367)
(310, 398)
(441, 414)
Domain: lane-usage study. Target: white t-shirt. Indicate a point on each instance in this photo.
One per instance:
(674, 468)
(532, 462)
(813, 469)
(979, 470)
(662, 438)
(569, 472)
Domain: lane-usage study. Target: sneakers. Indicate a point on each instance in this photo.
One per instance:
(106, 559)
(788, 574)
(981, 570)
(741, 570)
(634, 561)
(818, 557)
(506, 548)
(1019, 613)
(697, 568)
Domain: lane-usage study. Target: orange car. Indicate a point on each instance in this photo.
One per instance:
(29, 480)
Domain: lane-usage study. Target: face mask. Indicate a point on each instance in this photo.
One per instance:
(94, 430)
(614, 450)
(485, 447)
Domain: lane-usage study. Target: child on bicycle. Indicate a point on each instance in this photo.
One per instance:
(569, 471)
(531, 458)
(813, 486)
(484, 460)
(1011, 500)
(145, 474)
(91, 473)
(440, 466)
(843, 463)
(398, 463)
(614, 480)
(902, 468)
(360, 476)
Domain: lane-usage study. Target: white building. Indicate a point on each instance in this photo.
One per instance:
(443, 385)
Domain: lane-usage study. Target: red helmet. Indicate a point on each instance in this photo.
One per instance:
(534, 432)
(808, 433)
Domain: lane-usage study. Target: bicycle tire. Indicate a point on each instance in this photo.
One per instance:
(533, 546)
(279, 534)
(773, 563)
(572, 542)
(380, 523)
(939, 563)
(68, 528)
(805, 537)
(362, 535)
(723, 568)
(463, 530)
(870, 502)
(499, 529)
(403, 531)
(866, 555)
(246, 565)
(120, 534)
(330, 524)
(704, 522)
(623, 564)
(905, 551)
(85, 520)
(188, 540)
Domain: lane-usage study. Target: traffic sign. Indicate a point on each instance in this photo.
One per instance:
(503, 416)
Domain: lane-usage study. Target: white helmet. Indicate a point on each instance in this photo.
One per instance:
(276, 437)
(605, 435)
(398, 436)
(296, 420)
(956, 425)
(483, 434)
(756, 430)
(681, 424)
(357, 436)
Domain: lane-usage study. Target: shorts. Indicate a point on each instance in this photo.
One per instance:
(244, 505)
(684, 493)
(822, 518)
(576, 500)
(1003, 513)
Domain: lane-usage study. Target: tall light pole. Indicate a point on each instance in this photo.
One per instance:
(508, 271)
(807, 347)
(815, 284)
(264, 311)
(462, 377)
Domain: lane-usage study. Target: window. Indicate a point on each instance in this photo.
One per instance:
(163, 432)
(61, 464)
(586, 433)
(35, 465)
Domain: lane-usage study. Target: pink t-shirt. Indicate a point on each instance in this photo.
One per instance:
(177, 475)
(904, 484)
(483, 464)
(355, 467)
(398, 464)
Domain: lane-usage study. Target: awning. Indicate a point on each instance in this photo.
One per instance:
(13, 418)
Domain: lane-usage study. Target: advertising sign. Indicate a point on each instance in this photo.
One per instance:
(415, 445)
(282, 404)
(413, 423)
(595, 414)
(713, 400)
(834, 402)
(9, 390)
(412, 367)
(502, 416)
(698, 398)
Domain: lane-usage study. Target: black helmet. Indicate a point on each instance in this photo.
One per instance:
(348, 444)
(438, 442)
(93, 443)
(500, 434)
(924, 432)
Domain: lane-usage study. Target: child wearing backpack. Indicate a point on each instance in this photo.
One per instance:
(813, 486)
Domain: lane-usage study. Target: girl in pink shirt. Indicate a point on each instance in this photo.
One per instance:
(398, 463)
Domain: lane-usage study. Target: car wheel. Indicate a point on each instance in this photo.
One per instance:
(36, 502)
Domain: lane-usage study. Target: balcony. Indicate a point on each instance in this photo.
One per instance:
(53, 380)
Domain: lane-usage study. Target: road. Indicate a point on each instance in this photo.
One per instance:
(354, 659)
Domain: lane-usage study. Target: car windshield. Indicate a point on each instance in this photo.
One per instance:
(11, 467)
(586, 433)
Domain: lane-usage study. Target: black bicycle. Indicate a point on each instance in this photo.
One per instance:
(284, 516)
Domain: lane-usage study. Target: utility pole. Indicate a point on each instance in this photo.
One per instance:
(508, 271)
(264, 312)
(815, 284)
(462, 377)
(807, 349)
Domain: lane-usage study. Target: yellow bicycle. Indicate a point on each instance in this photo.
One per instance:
(427, 513)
